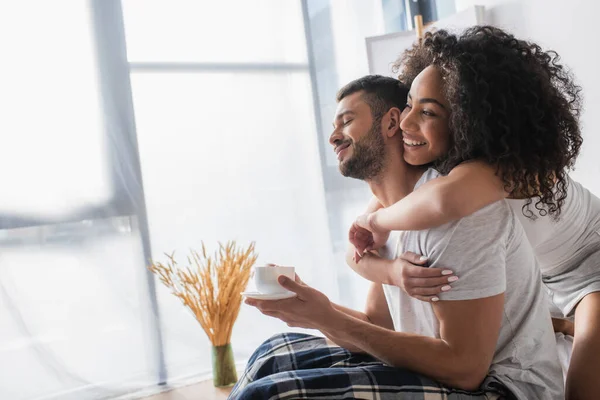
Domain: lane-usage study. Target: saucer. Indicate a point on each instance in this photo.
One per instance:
(265, 296)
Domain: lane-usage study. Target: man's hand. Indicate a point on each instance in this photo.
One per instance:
(366, 236)
(309, 309)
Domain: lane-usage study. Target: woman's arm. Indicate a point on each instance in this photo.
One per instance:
(408, 272)
(468, 188)
(371, 267)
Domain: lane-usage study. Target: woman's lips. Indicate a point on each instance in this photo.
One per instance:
(412, 144)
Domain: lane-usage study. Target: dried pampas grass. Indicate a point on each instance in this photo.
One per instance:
(210, 286)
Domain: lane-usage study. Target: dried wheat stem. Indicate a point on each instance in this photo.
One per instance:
(210, 286)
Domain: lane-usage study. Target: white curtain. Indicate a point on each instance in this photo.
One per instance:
(224, 142)
(74, 319)
(231, 156)
(228, 152)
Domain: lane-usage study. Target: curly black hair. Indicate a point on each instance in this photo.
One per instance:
(513, 105)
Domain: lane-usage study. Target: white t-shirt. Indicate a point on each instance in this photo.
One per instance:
(561, 244)
(488, 251)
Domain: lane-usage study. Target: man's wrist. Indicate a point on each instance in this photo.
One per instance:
(334, 322)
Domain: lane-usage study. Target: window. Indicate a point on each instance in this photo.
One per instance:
(228, 148)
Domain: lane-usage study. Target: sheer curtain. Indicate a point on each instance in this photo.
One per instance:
(223, 146)
(228, 148)
(74, 309)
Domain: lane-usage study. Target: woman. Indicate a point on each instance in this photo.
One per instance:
(513, 134)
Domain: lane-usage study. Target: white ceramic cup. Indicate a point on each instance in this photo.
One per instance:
(265, 278)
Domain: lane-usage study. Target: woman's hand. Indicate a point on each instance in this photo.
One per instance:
(366, 236)
(409, 273)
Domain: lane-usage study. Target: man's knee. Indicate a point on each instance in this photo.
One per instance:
(271, 342)
(257, 390)
(287, 337)
(271, 347)
(279, 339)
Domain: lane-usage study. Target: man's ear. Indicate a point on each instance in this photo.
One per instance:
(392, 122)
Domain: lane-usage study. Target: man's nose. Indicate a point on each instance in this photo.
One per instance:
(336, 136)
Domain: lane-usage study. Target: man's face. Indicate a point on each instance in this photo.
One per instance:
(357, 139)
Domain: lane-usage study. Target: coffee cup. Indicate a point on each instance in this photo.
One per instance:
(265, 278)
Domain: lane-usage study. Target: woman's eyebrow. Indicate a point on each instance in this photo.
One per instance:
(426, 100)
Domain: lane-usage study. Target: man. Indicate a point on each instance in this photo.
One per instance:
(491, 338)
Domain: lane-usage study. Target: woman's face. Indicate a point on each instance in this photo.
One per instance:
(425, 120)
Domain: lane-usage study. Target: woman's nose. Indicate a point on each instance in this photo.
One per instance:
(407, 124)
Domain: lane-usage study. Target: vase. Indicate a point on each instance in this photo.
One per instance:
(224, 373)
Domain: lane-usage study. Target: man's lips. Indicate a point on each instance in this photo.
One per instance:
(341, 147)
(341, 150)
(341, 153)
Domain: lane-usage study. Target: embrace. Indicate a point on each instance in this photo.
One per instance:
(478, 244)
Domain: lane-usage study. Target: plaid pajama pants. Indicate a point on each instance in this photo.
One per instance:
(299, 366)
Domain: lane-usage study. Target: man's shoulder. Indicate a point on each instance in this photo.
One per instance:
(427, 176)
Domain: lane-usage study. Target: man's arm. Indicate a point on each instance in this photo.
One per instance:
(470, 318)
(460, 358)
(376, 313)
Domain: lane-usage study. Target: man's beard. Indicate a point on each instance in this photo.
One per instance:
(367, 159)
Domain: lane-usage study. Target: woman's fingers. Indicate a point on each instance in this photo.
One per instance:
(429, 299)
(430, 282)
(414, 258)
(420, 281)
(352, 232)
(362, 243)
(426, 291)
(415, 271)
(423, 283)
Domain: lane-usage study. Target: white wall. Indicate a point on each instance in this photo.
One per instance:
(567, 27)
